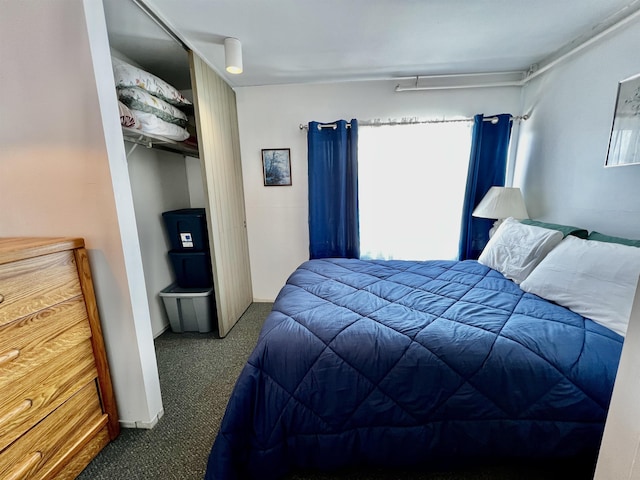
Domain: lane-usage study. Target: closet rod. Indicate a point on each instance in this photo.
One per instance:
(378, 123)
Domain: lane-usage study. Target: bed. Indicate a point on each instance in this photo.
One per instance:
(401, 363)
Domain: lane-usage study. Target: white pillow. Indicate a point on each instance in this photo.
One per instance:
(594, 279)
(126, 75)
(149, 123)
(515, 249)
(138, 99)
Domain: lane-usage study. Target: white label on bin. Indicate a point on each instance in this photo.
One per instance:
(187, 240)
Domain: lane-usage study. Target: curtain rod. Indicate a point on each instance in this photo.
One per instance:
(379, 123)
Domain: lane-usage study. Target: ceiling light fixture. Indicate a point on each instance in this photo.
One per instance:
(233, 55)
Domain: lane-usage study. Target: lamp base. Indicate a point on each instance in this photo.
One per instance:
(496, 224)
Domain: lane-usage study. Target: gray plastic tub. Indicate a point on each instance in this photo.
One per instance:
(189, 309)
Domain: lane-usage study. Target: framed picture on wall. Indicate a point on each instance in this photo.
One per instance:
(276, 166)
(624, 142)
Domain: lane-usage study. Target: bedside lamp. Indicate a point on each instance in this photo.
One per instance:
(501, 203)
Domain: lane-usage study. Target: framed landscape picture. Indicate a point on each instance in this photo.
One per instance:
(276, 166)
(624, 143)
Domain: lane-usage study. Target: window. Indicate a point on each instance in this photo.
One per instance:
(412, 181)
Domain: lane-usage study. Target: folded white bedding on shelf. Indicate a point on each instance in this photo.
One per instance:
(127, 75)
(138, 99)
(151, 103)
(149, 123)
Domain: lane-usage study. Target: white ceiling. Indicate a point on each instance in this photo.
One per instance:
(300, 41)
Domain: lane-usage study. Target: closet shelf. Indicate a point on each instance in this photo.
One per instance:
(149, 140)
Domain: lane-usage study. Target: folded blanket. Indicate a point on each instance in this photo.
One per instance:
(127, 75)
(139, 99)
(149, 123)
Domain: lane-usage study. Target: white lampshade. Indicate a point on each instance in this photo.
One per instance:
(233, 55)
(501, 203)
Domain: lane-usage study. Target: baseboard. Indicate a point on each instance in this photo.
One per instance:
(166, 327)
(143, 425)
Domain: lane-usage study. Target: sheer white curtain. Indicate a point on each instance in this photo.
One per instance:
(411, 188)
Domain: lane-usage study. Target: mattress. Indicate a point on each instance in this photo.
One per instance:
(399, 363)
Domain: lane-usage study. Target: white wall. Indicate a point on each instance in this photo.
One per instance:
(269, 118)
(197, 196)
(57, 177)
(158, 184)
(563, 147)
(560, 166)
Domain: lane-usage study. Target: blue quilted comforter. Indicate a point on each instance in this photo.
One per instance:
(403, 363)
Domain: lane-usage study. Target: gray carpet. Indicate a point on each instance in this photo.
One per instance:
(197, 374)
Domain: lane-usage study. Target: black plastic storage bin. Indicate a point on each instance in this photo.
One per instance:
(187, 229)
(192, 269)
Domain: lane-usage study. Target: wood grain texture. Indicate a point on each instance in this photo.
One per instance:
(97, 341)
(57, 406)
(82, 458)
(33, 341)
(25, 466)
(19, 248)
(33, 284)
(45, 390)
(90, 431)
(55, 438)
(219, 147)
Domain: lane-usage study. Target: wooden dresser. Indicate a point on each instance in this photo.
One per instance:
(57, 408)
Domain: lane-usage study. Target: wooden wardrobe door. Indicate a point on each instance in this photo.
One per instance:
(219, 146)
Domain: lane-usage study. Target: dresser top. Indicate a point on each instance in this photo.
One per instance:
(19, 248)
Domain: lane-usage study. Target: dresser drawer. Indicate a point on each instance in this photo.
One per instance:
(27, 402)
(35, 340)
(45, 449)
(57, 408)
(30, 285)
(84, 456)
